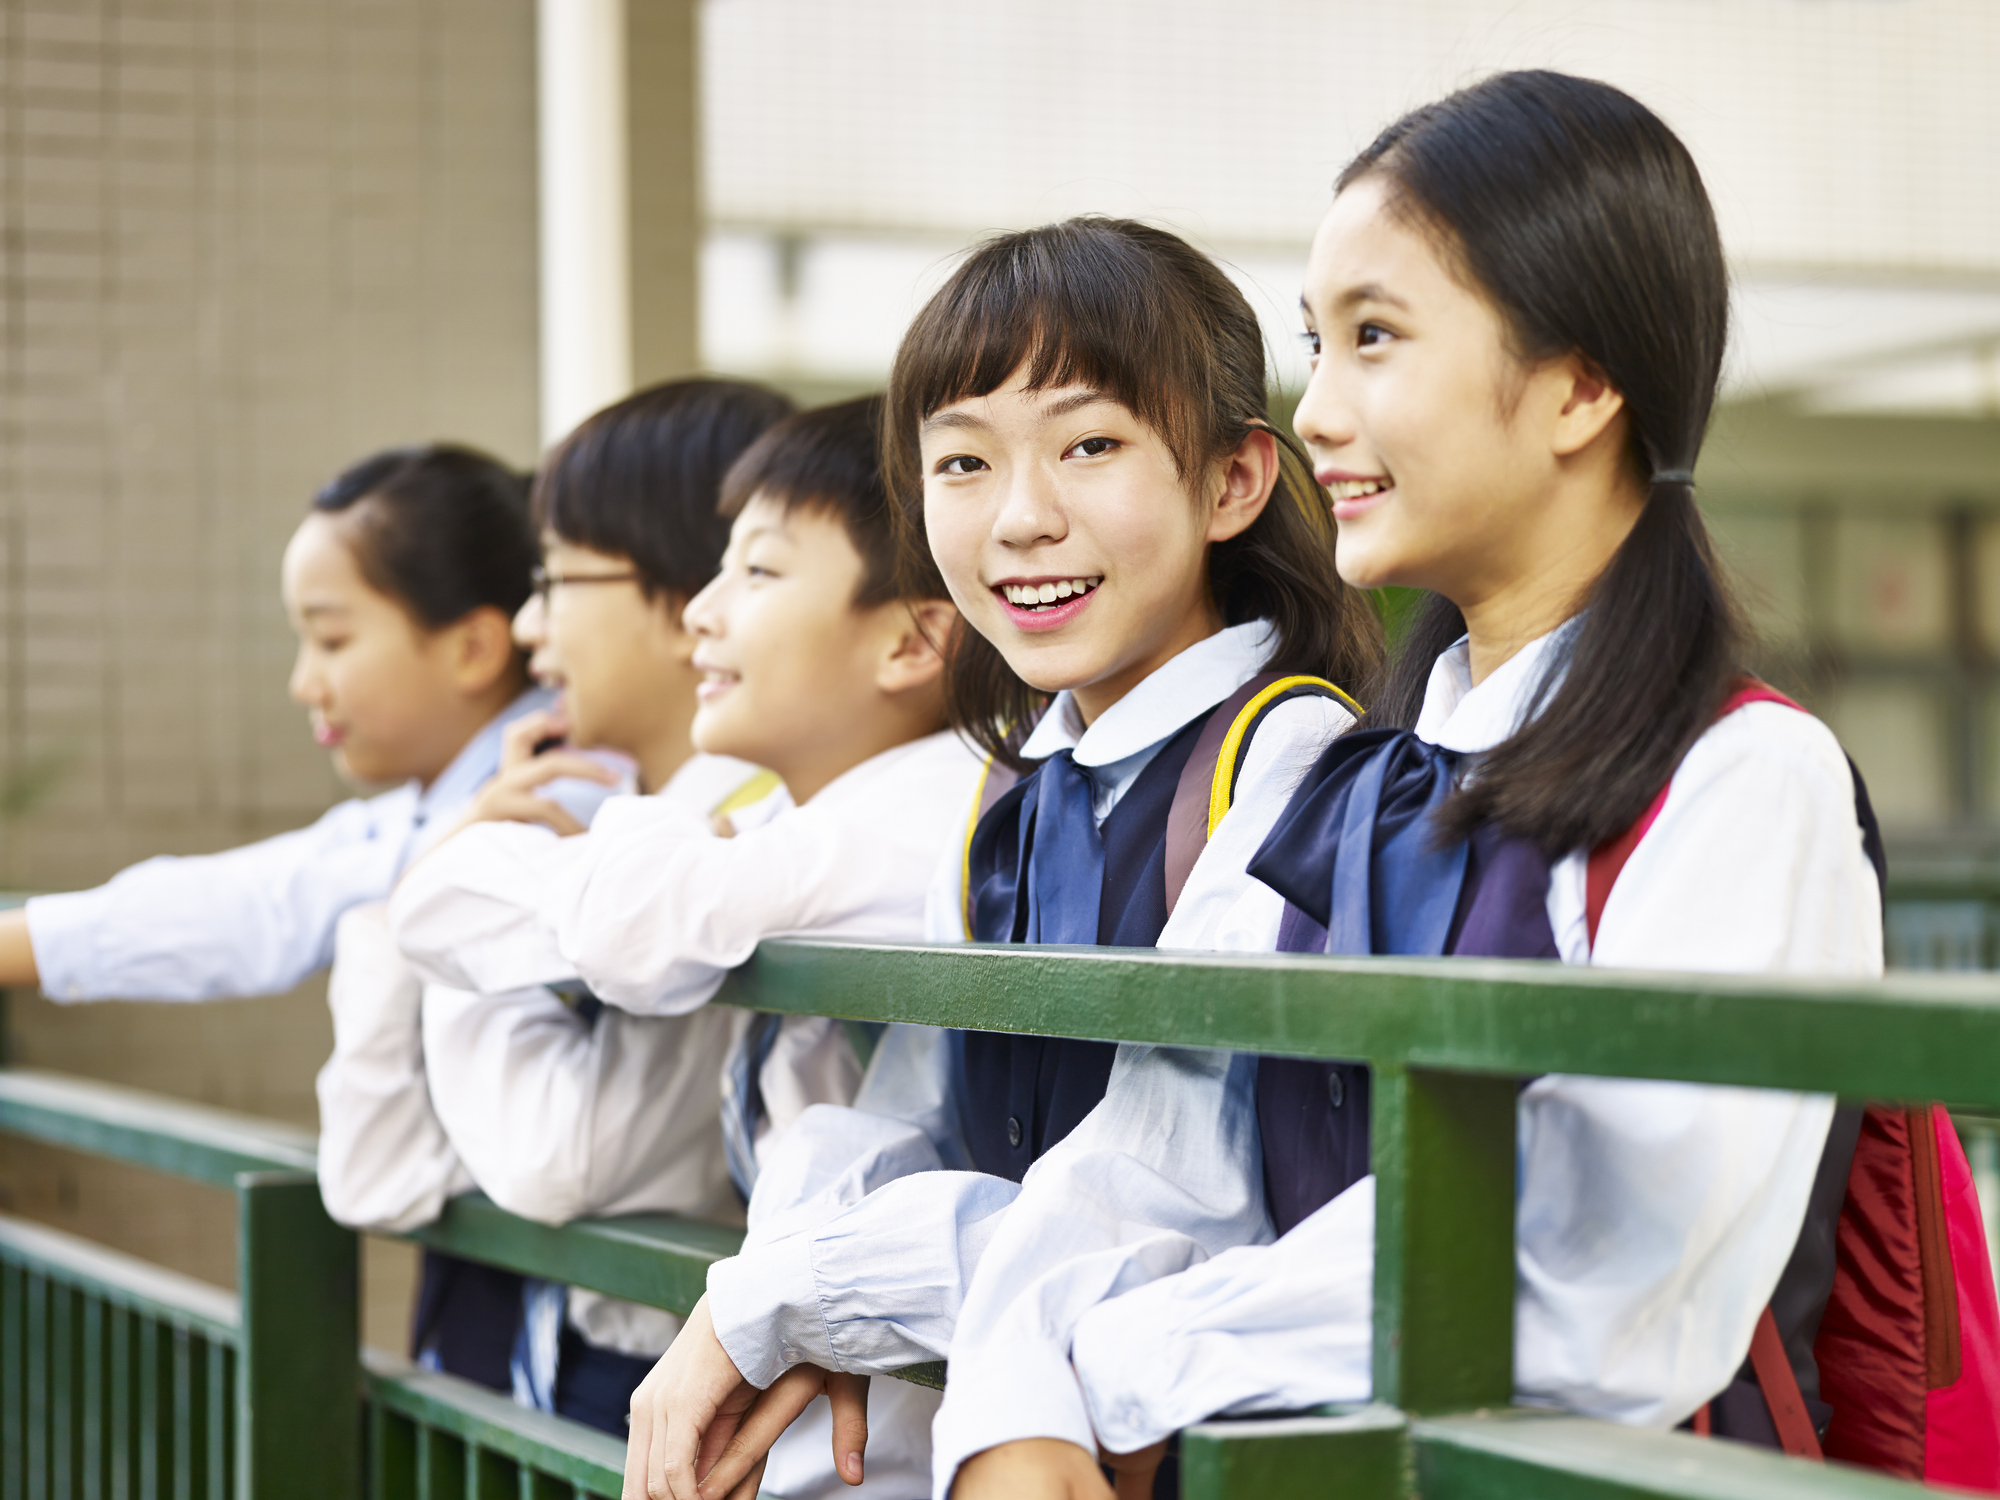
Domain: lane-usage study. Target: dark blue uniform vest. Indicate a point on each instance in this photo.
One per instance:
(1313, 1116)
(1025, 1093)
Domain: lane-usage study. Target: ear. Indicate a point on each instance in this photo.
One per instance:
(1248, 477)
(480, 649)
(915, 655)
(1586, 406)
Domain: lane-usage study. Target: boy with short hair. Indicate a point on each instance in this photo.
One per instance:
(821, 663)
(623, 1110)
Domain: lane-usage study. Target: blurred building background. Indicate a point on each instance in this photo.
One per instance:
(243, 242)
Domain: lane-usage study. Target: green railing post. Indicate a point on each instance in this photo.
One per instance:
(298, 1425)
(1444, 1239)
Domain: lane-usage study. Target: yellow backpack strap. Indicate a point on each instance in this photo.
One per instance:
(1208, 781)
(759, 786)
(995, 781)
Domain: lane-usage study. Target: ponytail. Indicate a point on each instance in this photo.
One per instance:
(1583, 217)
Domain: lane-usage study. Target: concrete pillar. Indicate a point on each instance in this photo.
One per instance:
(620, 207)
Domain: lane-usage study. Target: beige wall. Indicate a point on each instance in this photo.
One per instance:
(242, 242)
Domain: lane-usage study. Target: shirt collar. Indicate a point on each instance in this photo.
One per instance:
(476, 764)
(1189, 684)
(1458, 716)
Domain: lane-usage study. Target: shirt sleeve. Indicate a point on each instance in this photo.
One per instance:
(823, 1195)
(1654, 1219)
(249, 921)
(384, 1159)
(556, 1115)
(1165, 1172)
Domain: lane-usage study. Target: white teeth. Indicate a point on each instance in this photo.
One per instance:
(1354, 489)
(1041, 595)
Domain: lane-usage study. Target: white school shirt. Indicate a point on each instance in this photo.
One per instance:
(861, 1238)
(1653, 1219)
(432, 1091)
(652, 912)
(254, 920)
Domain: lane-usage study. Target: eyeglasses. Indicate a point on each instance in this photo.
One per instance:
(547, 582)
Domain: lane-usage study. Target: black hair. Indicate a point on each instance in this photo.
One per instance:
(1148, 320)
(829, 460)
(441, 529)
(1583, 218)
(641, 478)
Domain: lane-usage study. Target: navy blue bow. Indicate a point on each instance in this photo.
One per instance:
(1358, 851)
(1062, 853)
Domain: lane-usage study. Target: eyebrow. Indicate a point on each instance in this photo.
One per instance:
(1369, 291)
(1062, 406)
(307, 611)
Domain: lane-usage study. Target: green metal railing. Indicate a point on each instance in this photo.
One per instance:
(259, 1394)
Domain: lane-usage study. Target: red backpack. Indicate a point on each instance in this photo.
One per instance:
(1908, 1347)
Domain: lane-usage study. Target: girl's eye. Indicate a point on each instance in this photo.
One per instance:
(1369, 334)
(1092, 447)
(1310, 338)
(961, 464)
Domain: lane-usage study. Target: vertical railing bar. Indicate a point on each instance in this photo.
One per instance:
(13, 1383)
(426, 1442)
(123, 1448)
(93, 1399)
(62, 1390)
(183, 1415)
(218, 1462)
(146, 1377)
(38, 1387)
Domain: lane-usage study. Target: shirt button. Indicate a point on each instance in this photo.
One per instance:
(1013, 1130)
(1336, 1091)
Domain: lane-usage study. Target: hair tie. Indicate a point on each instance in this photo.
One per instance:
(1674, 476)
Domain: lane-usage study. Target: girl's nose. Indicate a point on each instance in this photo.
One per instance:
(1030, 513)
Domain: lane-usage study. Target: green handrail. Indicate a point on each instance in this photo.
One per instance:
(1447, 1041)
(1917, 1037)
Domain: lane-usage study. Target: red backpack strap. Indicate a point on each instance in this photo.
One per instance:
(1607, 859)
(1780, 1385)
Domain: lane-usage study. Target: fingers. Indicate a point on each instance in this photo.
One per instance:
(505, 805)
(724, 1464)
(556, 765)
(518, 739)
(848, 1396)
(748, 1489)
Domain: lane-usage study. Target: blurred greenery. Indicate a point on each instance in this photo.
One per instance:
(1396, 607)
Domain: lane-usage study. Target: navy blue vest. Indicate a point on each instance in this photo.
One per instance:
(1025, 1093)
(1313, 1116)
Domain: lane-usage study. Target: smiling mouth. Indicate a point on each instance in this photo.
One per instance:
(1036, 597)
(1358, 489)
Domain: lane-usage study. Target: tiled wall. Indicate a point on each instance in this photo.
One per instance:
(241, 242)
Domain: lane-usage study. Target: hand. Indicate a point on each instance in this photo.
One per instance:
(700, 1431)
(510, 796)
(1034, 1469)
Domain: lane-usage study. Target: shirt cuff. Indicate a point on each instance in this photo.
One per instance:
(1002, 1394)
(765, 1308)
(62, 931)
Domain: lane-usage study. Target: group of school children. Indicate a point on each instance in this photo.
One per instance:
(1062, 641)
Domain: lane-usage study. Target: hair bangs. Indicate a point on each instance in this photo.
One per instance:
(1058, 306)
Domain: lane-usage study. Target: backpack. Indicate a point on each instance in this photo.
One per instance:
(1908, 1346)
(1207, 785)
